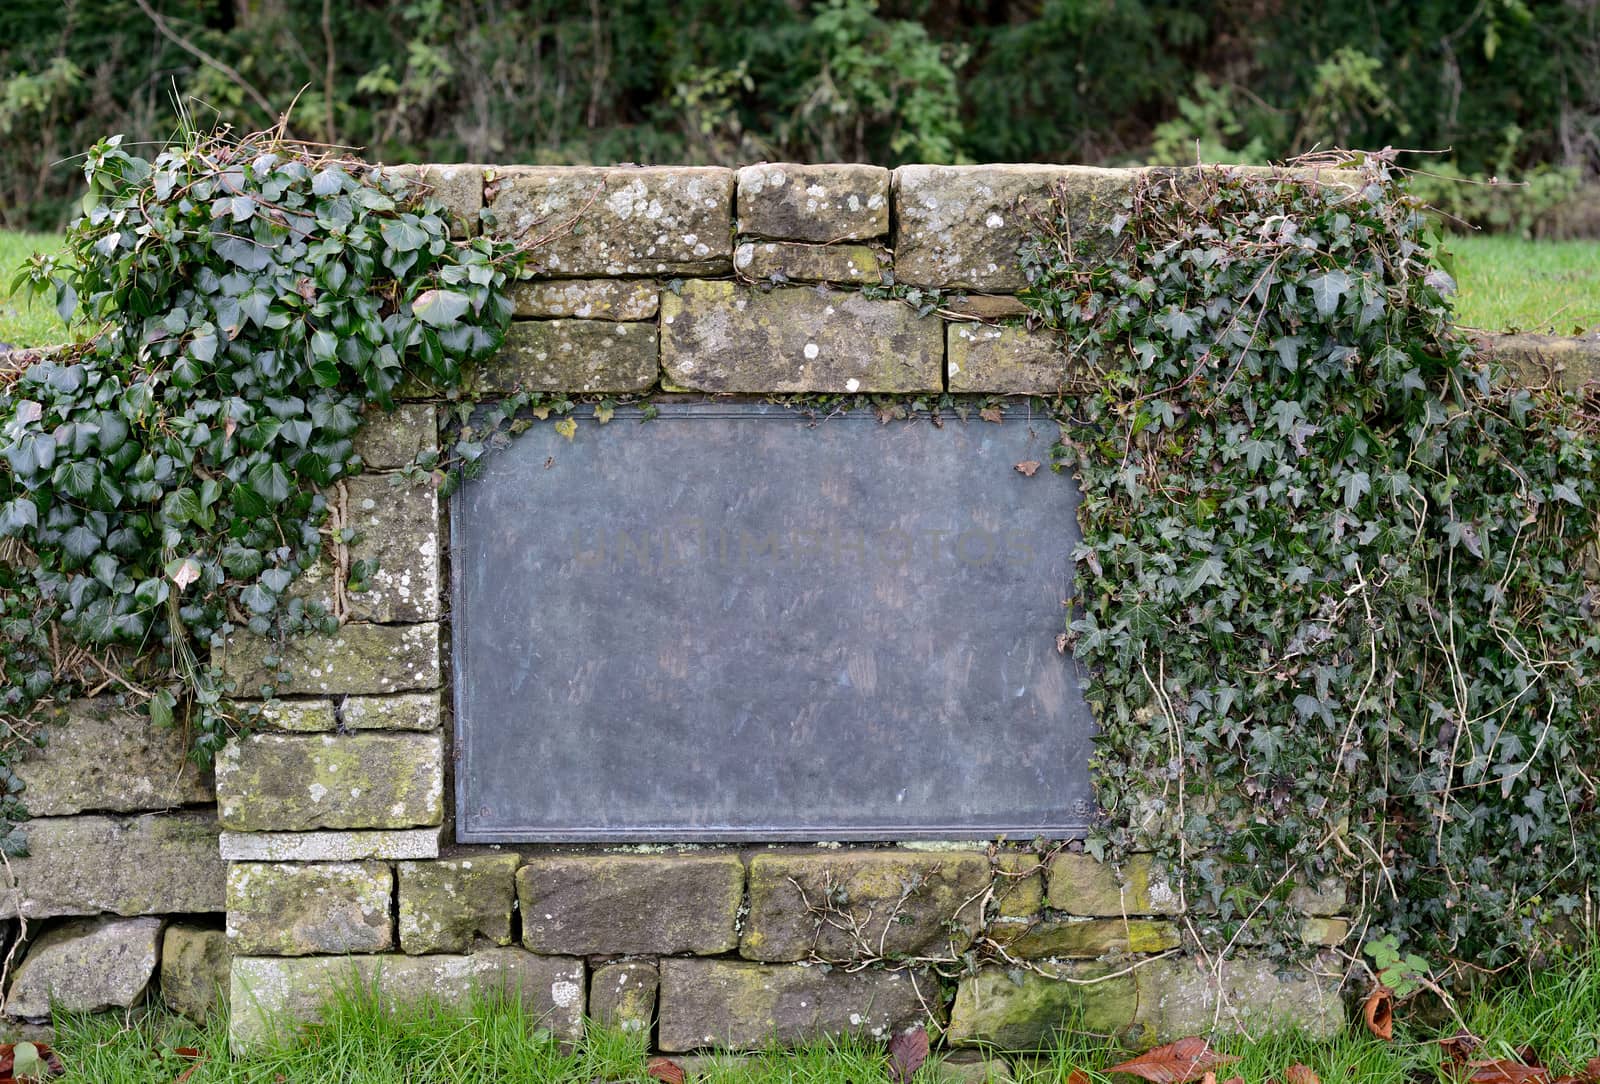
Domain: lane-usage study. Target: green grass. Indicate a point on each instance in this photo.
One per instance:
(23, 323)
(1508, 284)
(1555, 1010)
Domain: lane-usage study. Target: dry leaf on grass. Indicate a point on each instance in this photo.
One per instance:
(1300, 1074)
(1506, 1071)
(907, 1052)
(665, 1070)
(1176, 1063)
(1378, 1012)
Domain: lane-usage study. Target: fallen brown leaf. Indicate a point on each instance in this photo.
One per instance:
(1378, 1012)
(990, 414)
(1458, 1047)
(907, 1052)
(665, 1070)
(1591, 1072)
(1028, 467)
(1506, 1071)
(1077, 1076)
(1176, 1063)
(1300, 1074)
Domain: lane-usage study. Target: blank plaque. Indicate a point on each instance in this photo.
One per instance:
(740, 622)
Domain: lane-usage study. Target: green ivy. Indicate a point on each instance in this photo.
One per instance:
(1336, 592)
(248, 303)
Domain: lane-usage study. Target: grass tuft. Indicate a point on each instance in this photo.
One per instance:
(25, 323)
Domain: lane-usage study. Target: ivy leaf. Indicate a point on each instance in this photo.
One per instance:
(18, 515)
(440, 308)
(270, 482)
(1327, 290)
(567, 427)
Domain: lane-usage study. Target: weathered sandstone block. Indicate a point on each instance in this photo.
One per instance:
(102, 758)
(1088, 938)
(402, 711)
(588, 356)
(587, 299)
(404, 843)
(194, 970)
(1018, 885)
(1006, 360)
(793, 202)
(86, 966)
(297, 909)
(623, 994)
(357, 659)
(722, 337)
(743, 1006)
(389, 441)
(397, 525)
(1179, 997)
(1573, 362)
(161, 864)
(271, 992)
(624, 903)
(618, 220)
(779, 261)
(1021, 1011)
(445, 905)
(963, 225)
(1079, 885)
(292, 782)
(459, 187)
(890, 903)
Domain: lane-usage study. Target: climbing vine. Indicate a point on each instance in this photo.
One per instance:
(246, 303)
(1337, 586)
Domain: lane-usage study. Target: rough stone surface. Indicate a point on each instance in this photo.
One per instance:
(1572, 362)
(619, 220)
(402, 711)
(102, 758)
(587, 299)
(86, 966)
(445, 905)
(986, 306)
(1326, 897)
(397, 525)
(271, 992)
(895, 904)
(722, 337)
(298, 909)
(573, 356)
(194, 970)
(166, 863)
(358, 659)
(623, 903)
(1324, 931)
(1088, 938)
(1018, 885)
(389, 441)
(1179, 997)
(780, 261)
(1079, 885)
(293, 782)
(1005, 360)
(745, 1006)
(623, 994)
(406, 843)
(458, 187)
(961, 226)
(814, 203)
(992, 1009)
(298, 716)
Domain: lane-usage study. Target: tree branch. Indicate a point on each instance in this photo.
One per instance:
(206, 58)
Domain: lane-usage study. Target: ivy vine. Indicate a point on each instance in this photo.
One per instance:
(247, 304)
(1337, 591)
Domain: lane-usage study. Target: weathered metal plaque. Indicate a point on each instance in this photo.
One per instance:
(736, 622)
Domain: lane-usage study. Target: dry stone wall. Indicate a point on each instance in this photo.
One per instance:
(326, 855)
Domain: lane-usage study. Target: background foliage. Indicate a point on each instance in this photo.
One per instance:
(1505, 85)
(1337, 585)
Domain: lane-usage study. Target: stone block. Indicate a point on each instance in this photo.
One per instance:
(1569, 362)
(1079, 885)
(402, 711)
(269, 993)
(298, 716)
(793, 202)
(98, 757)
(165, 863)
(623, 995)
(194, 970)
(1021, 1010)
(850, 905)
(986, 306)
(358, 659)
(295, 783)
(1326, 897)
(609, 221)
(1325, 932)
(390, 441)
(1179, 997)
(587, 299)
(624, 903)
(576, 356)
(458, 187)
(784, 261)
(1087, 938)
(745, 1006)
(86, 966)
(962, 226)
(722, 337)
(298, 909)
(1005, 360)
(396, 524)
(405, 843)
(1018, 885)
(445, 905)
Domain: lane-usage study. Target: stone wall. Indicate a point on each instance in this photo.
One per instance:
(329, 850)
